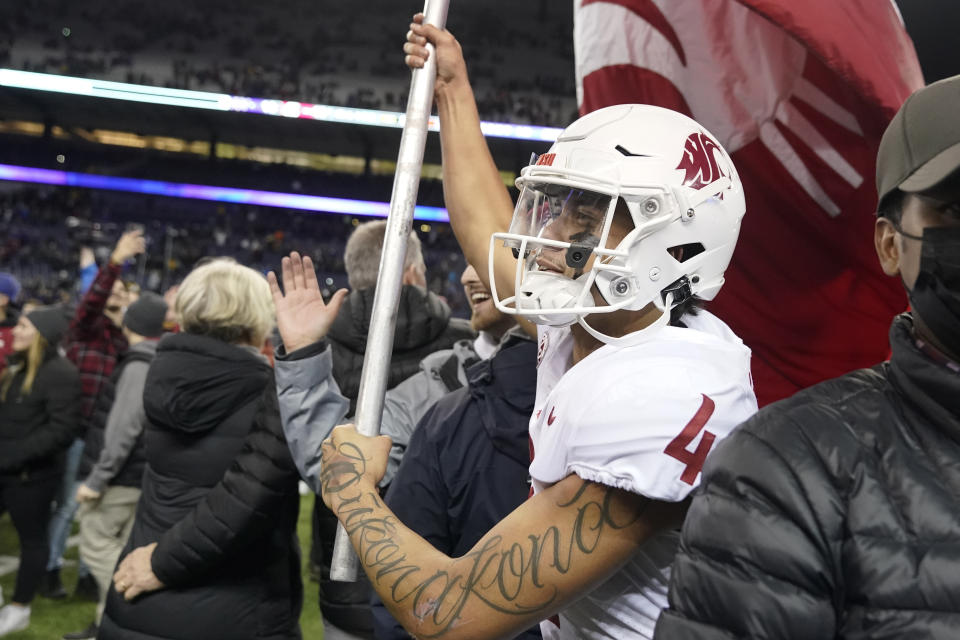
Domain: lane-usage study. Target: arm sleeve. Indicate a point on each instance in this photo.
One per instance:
(124, 425)
(310, 406)
(418, 497)
(241, 507)
(759, 543)
(87, 274)
(61, 389)
(90, 310)
(403, 407)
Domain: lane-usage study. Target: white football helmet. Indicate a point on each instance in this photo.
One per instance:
(680, 190)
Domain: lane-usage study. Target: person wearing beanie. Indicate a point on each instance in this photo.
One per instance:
(9, 292)
(113, 455)
(39, 409)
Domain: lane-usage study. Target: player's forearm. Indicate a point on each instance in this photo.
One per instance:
(546, 554)
(476, 198)
(415, 581)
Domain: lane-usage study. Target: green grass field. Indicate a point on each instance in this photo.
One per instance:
(50, 619)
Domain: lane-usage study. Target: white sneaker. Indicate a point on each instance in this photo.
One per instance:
(14, 618)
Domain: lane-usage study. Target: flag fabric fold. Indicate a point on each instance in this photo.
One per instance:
(799, 94)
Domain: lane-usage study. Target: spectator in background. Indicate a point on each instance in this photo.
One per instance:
(94, 342)
(836, 513)
(9, 292)
(113, 454)
(466, 465)
(423, 326)
(39, 407)
(213, 550)
(423, 322)
(442, 371)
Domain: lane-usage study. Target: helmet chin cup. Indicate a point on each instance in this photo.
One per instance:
(548, 290)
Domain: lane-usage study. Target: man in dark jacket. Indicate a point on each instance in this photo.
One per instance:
(423, 326)
(113, 454)
(442, 371)
(834, 514)
(466, 467)
(423, 323)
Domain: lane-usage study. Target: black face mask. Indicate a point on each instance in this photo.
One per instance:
(936, 293)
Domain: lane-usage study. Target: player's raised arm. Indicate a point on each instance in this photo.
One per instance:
(476, 198)
(549, 552)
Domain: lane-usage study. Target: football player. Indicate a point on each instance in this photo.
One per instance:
(619, 232)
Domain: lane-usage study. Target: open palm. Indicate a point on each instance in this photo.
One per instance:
(302, 316)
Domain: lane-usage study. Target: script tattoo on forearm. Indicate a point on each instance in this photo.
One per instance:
(512, 579)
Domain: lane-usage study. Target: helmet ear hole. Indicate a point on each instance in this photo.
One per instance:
(683, 252)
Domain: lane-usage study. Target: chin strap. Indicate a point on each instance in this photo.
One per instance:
(634, 337)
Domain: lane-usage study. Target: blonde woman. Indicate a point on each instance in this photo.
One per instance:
(213, 551)
(39, 411)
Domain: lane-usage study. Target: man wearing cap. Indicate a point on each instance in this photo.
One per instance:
(113, 454)
(836, 513)
(9, 290)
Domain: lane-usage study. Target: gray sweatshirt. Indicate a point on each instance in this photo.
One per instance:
(126, 421)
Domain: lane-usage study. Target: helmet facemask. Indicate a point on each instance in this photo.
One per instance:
(561, 237)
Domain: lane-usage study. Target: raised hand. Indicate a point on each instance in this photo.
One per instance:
(302, 316)
(130, 244)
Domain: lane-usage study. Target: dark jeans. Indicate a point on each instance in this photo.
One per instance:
(28, 502)
(66, 509)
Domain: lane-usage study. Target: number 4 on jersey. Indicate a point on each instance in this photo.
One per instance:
(678, 446)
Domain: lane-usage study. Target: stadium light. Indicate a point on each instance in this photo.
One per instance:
(225, 102)
(319, 204)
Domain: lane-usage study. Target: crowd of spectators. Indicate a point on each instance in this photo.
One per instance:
(45, 228)
(522, 68)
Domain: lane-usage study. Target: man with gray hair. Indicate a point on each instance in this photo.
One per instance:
(362, 257)
(423, 319)
(423, 326)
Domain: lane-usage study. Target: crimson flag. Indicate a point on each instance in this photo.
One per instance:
(799, 93)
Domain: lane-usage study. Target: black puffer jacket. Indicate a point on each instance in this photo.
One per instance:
(423, 326)
(37, 427)
(834, 514)
(220, 499)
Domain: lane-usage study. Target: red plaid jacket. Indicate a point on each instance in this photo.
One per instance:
(6, 343)
(93, 342)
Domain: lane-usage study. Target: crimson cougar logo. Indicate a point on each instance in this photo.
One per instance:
(700, 161)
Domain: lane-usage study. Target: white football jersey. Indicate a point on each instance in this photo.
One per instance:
(641, 418)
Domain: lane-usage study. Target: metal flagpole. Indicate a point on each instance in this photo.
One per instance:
(376, 359)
